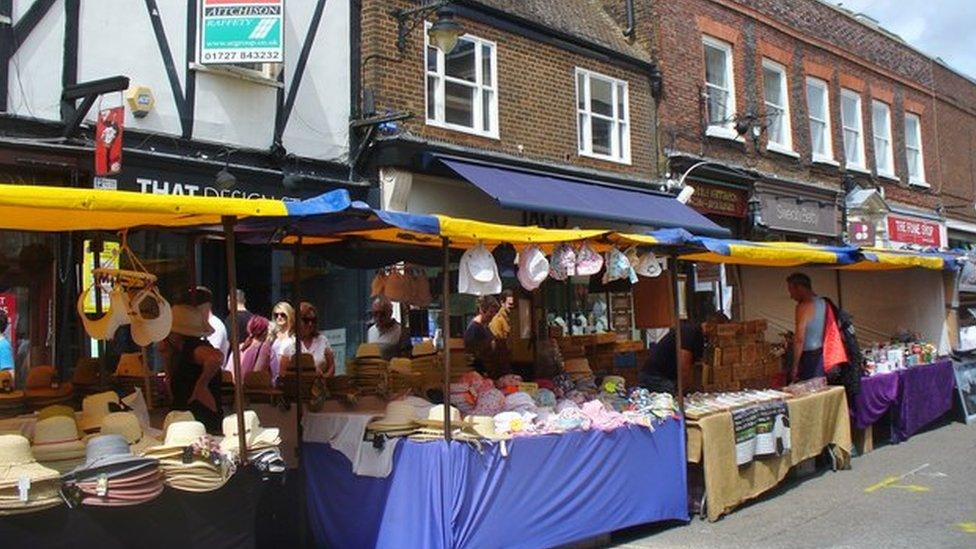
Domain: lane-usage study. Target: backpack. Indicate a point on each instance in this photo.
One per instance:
(849, 374)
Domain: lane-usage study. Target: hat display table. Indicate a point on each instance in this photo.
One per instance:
(914, 398)
(817, 421)
(549, 490)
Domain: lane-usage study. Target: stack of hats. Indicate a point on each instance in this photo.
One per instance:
(370, 369)
(112, 476)
(402, 378)
(577, 368)
(43, 388)
(259, 439)
(56, 441)
(399, 420)
(427, 362)
(94, 408)
(25, 484)
(86, 378)
(126, 425)
(12, 402)
(191, 459)
(288, 380)
(432, 427)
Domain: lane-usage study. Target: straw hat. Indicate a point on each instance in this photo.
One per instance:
(424, 348)
(197, 476)
(399, 415)
(94, 408)
(56, 410)
(401, 365)
(41, 381)
(369, 350)
(131, 365)
(179, 435)
(175, 416)
(117, 315)
(86, 372)
(56, 437)
(435, 417)
(153, 323)
(109, 455)
(189, 321)
(127, 425)
(132, 489)
(255, 435)
(484, 427)
(16, 460)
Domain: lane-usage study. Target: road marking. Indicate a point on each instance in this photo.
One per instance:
(890, 482)
(967, 527)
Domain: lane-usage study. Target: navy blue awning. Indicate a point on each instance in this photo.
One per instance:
(551, 194)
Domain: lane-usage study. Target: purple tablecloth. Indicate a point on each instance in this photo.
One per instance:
(915, 396)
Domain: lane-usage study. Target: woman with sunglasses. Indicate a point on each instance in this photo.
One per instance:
(313, 342)
(282, 338)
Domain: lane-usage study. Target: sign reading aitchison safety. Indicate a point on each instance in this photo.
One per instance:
(241, 31)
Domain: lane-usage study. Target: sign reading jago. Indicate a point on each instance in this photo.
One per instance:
(241, 31)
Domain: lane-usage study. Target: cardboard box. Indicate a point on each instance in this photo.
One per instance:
(731, 355)
(750, 353)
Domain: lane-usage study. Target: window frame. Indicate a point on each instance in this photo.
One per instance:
(851, 94)
(477, 115)
(828, 138)
(919, 180)
(775, 146)
(890, 149)
(727, 129)
(584, 130)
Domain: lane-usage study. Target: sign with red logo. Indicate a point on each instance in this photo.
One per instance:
(906, 230)
(108, 141)
(8, 305)
(861, 233)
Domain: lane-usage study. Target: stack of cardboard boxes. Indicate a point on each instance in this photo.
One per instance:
(737, 357)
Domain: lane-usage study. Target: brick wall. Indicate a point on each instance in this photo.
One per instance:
(810, 38)
(536, 94)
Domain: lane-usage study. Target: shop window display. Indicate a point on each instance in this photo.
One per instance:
(26, 294)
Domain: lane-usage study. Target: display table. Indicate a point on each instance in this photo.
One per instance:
(816, 421)
(915, 397)
(549, 490)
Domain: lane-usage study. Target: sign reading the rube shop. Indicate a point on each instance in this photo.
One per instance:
(241, 31)
(906, 230)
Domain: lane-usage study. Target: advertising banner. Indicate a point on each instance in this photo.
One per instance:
(108, 141)
(906, 230)
(241, 31)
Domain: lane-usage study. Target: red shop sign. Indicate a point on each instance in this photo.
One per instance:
(906, 230)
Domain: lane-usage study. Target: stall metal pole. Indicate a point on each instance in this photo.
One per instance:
(446, 335)
(235, 348)
(96, 249)
(297, 298)
(677, 332)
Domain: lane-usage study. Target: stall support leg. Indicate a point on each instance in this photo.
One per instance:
(235, 348)
(446, 335)
(677, 332)
(297, 298)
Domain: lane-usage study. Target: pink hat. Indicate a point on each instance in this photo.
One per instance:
(588, 262)
(562, 264)
(490, 402)
(602, 418)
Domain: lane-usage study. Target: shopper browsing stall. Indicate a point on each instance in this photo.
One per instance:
(192, 366)
(282, 337)
(479, 342)
(313, 342)
(811, 317)
(660, 372)
(242, 314)
(256, 349)
(385, 331)
(202, 298)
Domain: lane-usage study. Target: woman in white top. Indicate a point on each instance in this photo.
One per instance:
(282, 338)
(313, 342)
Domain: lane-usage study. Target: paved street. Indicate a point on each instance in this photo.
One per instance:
(918, 494)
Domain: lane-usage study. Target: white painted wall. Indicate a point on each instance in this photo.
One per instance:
(116, 37)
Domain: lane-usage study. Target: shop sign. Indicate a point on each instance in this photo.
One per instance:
(147, 180)
(544, 220)
(8, 305)
(719, 201)
(906, 230)
(241, 31)
(108, 141)
(787, 213)
(861, 233)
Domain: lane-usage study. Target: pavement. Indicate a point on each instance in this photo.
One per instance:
(917, 494)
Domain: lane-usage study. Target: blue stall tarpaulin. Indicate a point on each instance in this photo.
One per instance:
(550, 490)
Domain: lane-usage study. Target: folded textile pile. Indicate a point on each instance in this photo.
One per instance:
(25, 484)
(112, 476)
(191, 459)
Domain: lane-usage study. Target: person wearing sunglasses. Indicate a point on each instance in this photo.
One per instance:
(282, 338)
(313, 342)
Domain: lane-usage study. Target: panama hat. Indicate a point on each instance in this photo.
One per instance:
(189, 321)
(197, 476)
(110, 455)
(127, 425)
(16, 460)
(369, 350)
(401, 365)
(151, 317)
(478, 273)
(175, 416)
(41, 381)
(56, 410)
(56, 437)
(424, 348)
(399, 416)
(104, 327)
(484, 427)
(255, 436)
(179, 435)
(533, 268)
(435, 417)
(94, 408)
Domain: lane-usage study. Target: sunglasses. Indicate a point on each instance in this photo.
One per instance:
(279, 315)
(309, 319)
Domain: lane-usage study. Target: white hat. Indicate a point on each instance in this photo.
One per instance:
(117, 315)
(478, 273)
(153, 327)
(189, 321)
(399, 415)
(255, 436)
(649, 265)
(179, 434)
(94, 408)
(533, 267)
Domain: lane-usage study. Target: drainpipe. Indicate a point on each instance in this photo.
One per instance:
(629, 31)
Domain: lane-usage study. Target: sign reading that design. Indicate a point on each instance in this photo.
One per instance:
(906, 230)
(241, 31)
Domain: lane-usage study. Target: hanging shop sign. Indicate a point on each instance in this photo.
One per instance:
(241, 31)
(8, 305)
(108, 141)
(861, 233)
(713, 200)
(919, 232)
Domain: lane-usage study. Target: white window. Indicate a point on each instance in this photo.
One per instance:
(850, 118)
(603, 118)
(818, 105)
(883, 150)
(462, 87)
(913, 149)
(776, 94)
(719, 88)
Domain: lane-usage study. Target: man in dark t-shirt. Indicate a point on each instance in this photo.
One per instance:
(478, 339)
(660, 372)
